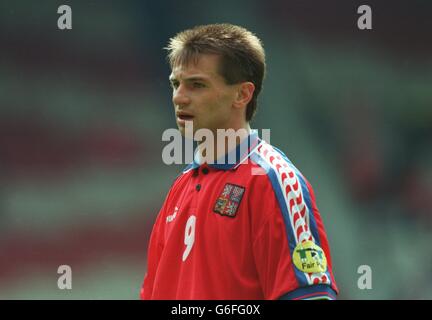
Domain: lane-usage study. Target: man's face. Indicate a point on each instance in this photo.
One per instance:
(200, 95)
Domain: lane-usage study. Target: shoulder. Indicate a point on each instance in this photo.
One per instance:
(275, 172)
(178, 183)
(273, 164)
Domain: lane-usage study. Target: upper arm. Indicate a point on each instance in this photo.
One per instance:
(291, 248)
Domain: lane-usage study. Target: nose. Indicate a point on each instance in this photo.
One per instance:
(180, 96)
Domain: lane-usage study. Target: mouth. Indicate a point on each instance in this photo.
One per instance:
(182, 117)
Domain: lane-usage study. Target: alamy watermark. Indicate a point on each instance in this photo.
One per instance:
(212, 148)
(65, 20)
(364, 22)
(65, 280)
(364, 282)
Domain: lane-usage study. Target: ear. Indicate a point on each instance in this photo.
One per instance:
(244, 94)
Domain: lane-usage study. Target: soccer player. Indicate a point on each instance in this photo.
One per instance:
(242, 229)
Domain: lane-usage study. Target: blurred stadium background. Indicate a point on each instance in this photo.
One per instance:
(82, 114)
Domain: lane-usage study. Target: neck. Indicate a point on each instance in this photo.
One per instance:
(224, 142)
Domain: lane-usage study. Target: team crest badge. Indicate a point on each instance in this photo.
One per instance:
(229, 200)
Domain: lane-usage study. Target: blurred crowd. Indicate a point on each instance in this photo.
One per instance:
(82, 114)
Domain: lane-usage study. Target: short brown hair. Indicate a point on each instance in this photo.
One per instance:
(242, 54)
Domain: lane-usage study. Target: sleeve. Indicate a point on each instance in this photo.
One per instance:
(155, 248)
(154, 253)
(291, 250)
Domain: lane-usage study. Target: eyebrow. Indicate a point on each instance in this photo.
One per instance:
(191, 78)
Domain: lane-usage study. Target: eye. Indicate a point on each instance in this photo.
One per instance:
(174, 84)
(198, 85)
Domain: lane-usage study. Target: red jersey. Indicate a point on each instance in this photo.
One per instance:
(245, 230)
